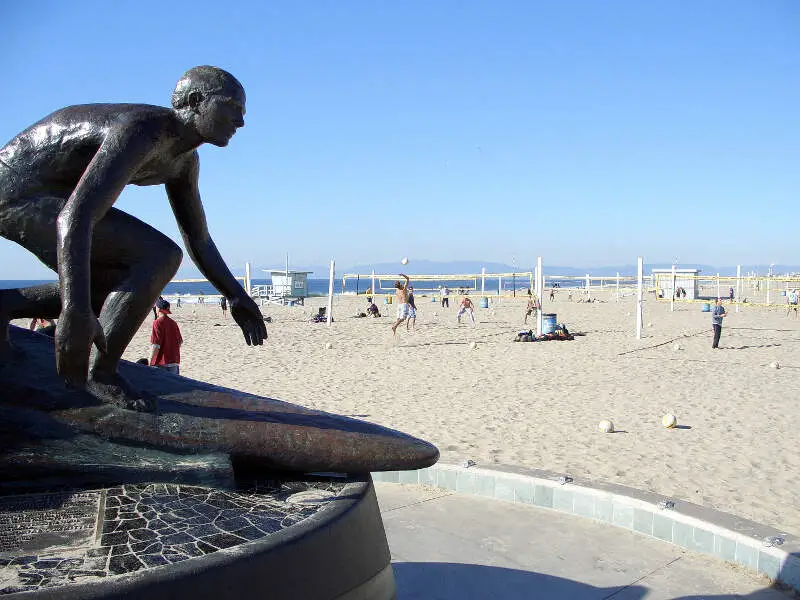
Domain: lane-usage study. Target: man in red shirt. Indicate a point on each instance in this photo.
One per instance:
(165, 340)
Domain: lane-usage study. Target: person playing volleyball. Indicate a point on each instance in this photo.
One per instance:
(401, 296)
(466, 306)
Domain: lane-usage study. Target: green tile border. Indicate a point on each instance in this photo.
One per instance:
(684, 524)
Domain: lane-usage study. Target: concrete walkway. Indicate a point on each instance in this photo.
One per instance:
(452, 546)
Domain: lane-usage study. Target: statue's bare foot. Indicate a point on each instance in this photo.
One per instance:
(115, 389)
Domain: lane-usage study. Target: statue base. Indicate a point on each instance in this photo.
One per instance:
(309, 537)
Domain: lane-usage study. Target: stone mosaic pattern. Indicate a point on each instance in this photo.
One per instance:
(150, 525)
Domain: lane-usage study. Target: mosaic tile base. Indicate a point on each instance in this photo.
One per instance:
(142, 526)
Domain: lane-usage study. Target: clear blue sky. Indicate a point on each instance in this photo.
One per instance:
(588, 132)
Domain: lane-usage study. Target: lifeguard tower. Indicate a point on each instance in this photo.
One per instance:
(288, 287)
(684, 278)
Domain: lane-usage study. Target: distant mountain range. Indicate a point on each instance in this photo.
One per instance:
(430, 267)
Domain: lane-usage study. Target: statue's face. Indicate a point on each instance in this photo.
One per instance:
(219, 116)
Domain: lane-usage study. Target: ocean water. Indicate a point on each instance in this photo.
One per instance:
(319, 287)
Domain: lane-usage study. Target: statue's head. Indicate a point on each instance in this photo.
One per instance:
(215, 101)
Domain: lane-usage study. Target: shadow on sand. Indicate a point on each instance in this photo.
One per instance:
(445, 581)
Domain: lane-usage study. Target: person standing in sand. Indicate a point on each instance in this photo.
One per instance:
(401, 296)
(165, 341)
(445, 297)
(532, 307)
(792, 301)
(468, 307)
(412, 310)
(717, 314)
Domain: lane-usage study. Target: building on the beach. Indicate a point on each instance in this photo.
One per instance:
(288, 286)
(684, 278)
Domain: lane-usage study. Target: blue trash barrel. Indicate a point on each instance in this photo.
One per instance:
(433, 298)
(484, 303)
(548, 322)
(706, 307)
(783, 292)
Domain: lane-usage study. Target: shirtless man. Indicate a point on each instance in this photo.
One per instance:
(532, 307)
(401, 297)
(468, 307)
(58, 181)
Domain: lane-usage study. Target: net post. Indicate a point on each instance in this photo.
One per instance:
(639, 307)
(738, 286)
(539, 295)
(674, 290)
(330, 293)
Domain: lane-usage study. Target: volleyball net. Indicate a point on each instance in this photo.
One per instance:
(753, 290)
(488, 284)
(504, 284)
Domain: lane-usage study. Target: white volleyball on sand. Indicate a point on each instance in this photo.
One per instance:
(404, 261)
(669, 421)
(677, 347)
(606, 426)
(329, 345)
(474, 345)
(649, 324)
(775, 365)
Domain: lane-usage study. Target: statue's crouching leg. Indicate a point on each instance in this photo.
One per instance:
(132, 263)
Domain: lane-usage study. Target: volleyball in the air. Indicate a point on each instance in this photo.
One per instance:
(404, 261)
(669, 421)
(606, 426)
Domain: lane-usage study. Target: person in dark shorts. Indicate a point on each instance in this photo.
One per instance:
(411, 322)
(717, 314)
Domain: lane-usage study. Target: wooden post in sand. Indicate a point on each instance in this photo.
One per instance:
(330, 293)
(738, 286)
(639, 308)
(373, 286)
(617, 286)
(674, 291)
(769, 282)
(483, 282)
(247, 283)
(539, 295)
(588, 288)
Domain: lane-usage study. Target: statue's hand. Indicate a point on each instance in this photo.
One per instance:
(247, 315)
(76, 331)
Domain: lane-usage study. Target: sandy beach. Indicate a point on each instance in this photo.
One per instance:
(538, 404)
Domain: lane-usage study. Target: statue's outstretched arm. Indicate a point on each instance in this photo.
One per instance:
(184, 197)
